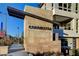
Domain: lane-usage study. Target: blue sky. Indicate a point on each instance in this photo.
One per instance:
(12, 22)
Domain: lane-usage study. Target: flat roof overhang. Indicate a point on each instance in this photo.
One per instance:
(63, 16)
(62, 19)
(21, 14)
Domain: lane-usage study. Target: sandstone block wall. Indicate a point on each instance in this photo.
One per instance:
(3, 50)
(38, 34)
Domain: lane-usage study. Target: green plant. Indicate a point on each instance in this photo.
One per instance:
(5, 42)
(75, 52)
(1, 42)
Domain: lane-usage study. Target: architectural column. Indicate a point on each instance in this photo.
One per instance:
(49, 6)
(73, 7)
(56, 36)
(73, 24)
(55, 5)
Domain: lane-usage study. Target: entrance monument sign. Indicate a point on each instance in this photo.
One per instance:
(38, 33)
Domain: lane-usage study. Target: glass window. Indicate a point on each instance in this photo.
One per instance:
(56, 26)
(53, 36)
(52, 4)
(65, 5)
(76, 6)
(60, 4)
(64, 42)
(65, 9)
(69, 5)
(76, 25)
(60, 8)
(69, 10)
(67, 26)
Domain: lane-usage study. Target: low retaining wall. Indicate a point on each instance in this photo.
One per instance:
(43, 47)
(3, 50)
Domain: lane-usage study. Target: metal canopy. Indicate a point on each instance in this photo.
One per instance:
(21, 14)
(15, 12)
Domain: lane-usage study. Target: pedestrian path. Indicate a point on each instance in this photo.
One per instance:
(18, 53)
(17, 50)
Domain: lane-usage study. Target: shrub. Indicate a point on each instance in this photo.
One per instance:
(75, 52)
(58, 53)
(5, 42)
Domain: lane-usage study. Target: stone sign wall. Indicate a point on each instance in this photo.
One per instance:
(38, 34)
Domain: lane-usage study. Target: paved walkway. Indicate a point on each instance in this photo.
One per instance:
(18, 53)
(17, 50)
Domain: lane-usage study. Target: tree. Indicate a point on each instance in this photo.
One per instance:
(22, 37)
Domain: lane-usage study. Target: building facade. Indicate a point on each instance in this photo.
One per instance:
(66, 18)
(38, 26)
(65, 22)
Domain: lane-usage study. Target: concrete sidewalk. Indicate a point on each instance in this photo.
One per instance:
(16, 50)
(18, 53)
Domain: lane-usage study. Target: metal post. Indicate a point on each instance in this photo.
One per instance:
(6, 27)
(5, 24)
(18, 34)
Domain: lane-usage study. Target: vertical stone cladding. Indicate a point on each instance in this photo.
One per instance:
(38, 34)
